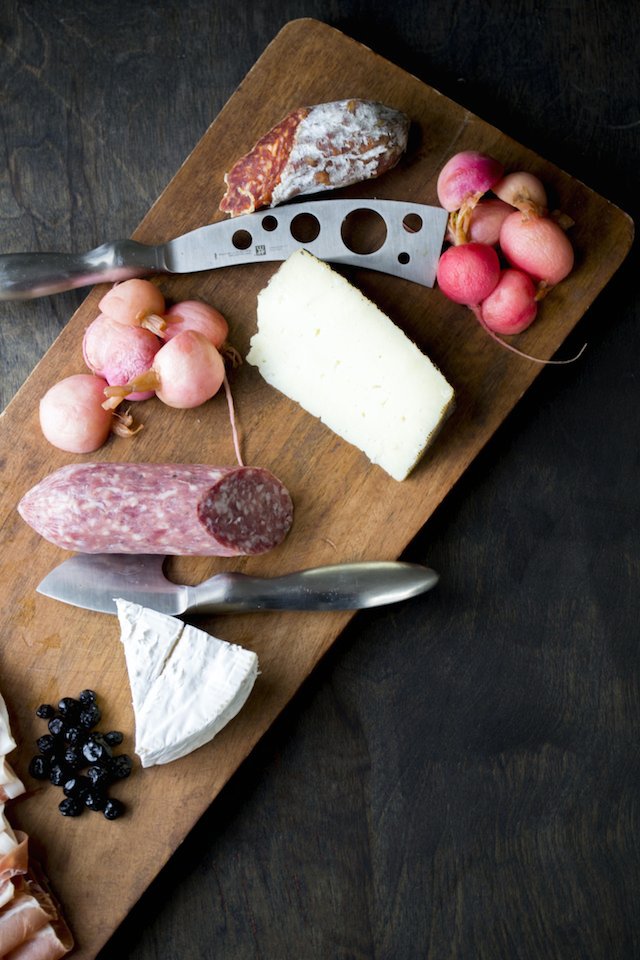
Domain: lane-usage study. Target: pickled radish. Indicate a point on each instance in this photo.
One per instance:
(119, 352)
(71, 414)
(524, 191)
(195, 315)
(538, 246)
(482, 225)
(135, 302)
(187, 371)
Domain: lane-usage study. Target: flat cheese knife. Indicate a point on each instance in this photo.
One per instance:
(95, 581)
(409, 246)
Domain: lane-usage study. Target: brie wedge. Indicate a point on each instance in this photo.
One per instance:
(186, 685)
(325, 346)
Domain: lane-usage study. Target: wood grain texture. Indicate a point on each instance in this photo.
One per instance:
(458, 776)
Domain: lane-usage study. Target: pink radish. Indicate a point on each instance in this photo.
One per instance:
(511, 307)
(72, 417)
(465, 177)
(135, 302)
(538, 246)
(482, 225)
(468, 273)
(186, 371)
(524, 191)
(119, 352)
(195, 315)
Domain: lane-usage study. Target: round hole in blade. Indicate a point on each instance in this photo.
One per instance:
(241, 239)
(305, 227)
(269, 223)
(363, 231)
(412, 223)
(403, 258)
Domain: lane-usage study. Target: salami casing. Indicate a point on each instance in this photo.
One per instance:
(178, 509)
(316, 148)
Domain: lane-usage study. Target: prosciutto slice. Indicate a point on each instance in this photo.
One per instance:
(31, 924)
(7, 743)
(11, 786)
(19, 920)
(45, 944)
(14, 860)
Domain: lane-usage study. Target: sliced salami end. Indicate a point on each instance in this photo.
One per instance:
(252, 179)
(248, 511)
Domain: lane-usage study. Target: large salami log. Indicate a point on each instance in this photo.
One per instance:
(178, 509)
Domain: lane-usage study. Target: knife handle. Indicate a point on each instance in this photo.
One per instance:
(349, 586)
(24, 276)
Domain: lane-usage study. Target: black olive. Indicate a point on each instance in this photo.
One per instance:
(39, 768)
(76, 787)
(99, 775)
(75, 735)
(69, 708)
(113, 738)
(56, 726)
(95, 749)
(95, 799)
(90, 716)
(46, 743)
(70, 807)
(120, 766)
(113, 809)
(59, 774)
(73, 757)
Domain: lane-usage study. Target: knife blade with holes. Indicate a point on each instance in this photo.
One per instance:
(404, 239)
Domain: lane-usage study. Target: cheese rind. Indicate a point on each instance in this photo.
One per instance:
(186, 685)
(324, 345)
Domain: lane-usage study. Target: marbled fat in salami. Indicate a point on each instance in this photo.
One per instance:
(316, 148)
(179, 509)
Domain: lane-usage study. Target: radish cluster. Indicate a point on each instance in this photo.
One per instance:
(505, 249)
(136, 348)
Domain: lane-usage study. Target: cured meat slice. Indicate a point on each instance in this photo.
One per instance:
(48, 943)
(34, 922)
(175, 509)
(316, 148)
(14, 858)
(31, 923)
(7, 743)
(11, 786)
(20, 919)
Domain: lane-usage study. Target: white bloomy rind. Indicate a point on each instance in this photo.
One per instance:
(186, 685)
(325, 346)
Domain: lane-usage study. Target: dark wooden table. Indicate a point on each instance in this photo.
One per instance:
(459, 778)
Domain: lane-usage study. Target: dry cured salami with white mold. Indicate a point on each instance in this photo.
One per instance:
(160, 508)
(316, 148)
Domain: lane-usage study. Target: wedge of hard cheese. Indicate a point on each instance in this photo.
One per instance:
(323, 344)
(186, 685)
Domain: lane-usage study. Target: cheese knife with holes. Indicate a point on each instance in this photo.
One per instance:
(404, 240)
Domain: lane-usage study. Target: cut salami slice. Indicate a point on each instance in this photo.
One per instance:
(316, 148)
(178, 509)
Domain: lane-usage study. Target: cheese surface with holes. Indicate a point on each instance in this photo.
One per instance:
(186, 685)
(324, 345)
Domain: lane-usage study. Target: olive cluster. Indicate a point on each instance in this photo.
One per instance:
(75, 756)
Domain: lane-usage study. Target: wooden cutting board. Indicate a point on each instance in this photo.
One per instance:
(345, 508)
